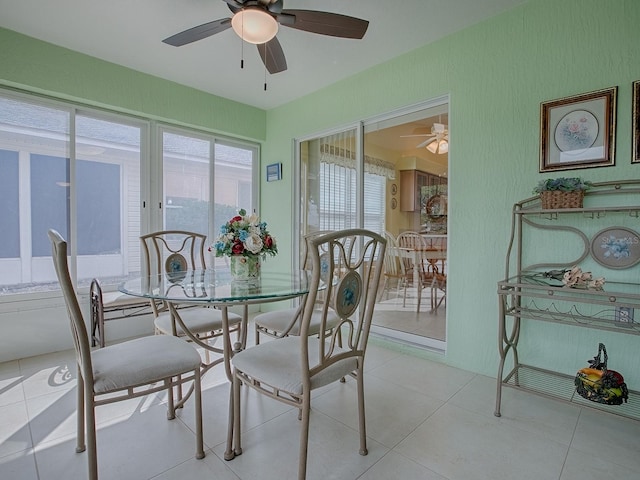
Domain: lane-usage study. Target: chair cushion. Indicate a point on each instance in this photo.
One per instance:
(118, 299)
(141, 361)
(277, 363)
(197, 320)
(278, 320)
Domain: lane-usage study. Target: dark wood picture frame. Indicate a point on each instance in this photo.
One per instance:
(578, 131)
(635, 154)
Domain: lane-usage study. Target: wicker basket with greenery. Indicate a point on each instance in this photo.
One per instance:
(562, 192)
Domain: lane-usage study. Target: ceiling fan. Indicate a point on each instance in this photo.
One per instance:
(256, 21)
(437, 141)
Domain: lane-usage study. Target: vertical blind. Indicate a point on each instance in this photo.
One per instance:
(338, 185)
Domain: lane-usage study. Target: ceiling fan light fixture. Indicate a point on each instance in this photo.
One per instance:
(438, 146)
(254, 25)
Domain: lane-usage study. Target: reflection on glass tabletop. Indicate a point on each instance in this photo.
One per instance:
(216, 286)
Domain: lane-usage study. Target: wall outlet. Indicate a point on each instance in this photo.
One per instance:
(624, 314)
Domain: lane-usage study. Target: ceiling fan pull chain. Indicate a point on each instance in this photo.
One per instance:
(265, 68)
(242, 46)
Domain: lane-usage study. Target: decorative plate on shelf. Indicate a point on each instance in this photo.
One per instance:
(616, 247)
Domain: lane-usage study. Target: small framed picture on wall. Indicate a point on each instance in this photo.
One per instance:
(274, 172)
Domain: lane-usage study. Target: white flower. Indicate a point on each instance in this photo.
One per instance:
(253, 219)
(253, 243)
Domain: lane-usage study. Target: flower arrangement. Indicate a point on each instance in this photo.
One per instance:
(562, 184)
(574, 277)
(244, 235)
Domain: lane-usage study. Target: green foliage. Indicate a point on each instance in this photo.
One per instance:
(563, 184)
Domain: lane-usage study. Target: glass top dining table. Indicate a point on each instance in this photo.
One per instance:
(216, 288)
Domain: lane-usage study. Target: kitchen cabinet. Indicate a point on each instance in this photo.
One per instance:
(411, 183)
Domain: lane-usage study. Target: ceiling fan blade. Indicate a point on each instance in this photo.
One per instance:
(427, 142)
(325, 23)
(198, 33)
(418, 135)
(234, 5)
(272, 56)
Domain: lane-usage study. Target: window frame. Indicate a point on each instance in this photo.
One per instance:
(150, 171)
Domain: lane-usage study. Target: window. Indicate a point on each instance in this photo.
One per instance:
(188, 162)
(9, 199)
(74, 172)
(80, 172)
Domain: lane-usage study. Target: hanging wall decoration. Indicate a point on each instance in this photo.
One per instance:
(579, 131)
(635, 158)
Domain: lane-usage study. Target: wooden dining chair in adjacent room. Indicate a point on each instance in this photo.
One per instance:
(124, 370)
(176, 252)
(394, 269)
(345, 279)
(439, 289)
(414, 242)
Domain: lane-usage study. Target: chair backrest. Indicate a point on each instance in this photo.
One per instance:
(170, 251)
(412, 241)
(78, 328)
(393, 262)
(392, 241)
(346, 271)
(306, 256)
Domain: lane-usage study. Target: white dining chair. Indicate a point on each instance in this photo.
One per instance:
(284, 322)
(177, 252)
(124, 370)
(345, 279)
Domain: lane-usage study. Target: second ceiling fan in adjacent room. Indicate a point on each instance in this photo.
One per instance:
(437, 141)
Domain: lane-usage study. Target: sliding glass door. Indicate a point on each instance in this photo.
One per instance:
(74, 171)
(372, 176)
(102, 179)
(329, 182)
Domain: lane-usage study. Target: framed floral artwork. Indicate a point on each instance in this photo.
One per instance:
(578, 131)
(636, 123)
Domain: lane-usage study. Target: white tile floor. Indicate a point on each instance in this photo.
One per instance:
(424, 421)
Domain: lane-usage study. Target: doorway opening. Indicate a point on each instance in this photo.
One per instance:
(389, 174)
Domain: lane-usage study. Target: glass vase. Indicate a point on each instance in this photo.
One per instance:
(244, 269)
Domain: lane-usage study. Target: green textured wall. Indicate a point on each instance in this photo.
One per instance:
(496, 74)
(40, 67)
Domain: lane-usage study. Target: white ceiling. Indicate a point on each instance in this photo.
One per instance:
(130, 33)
